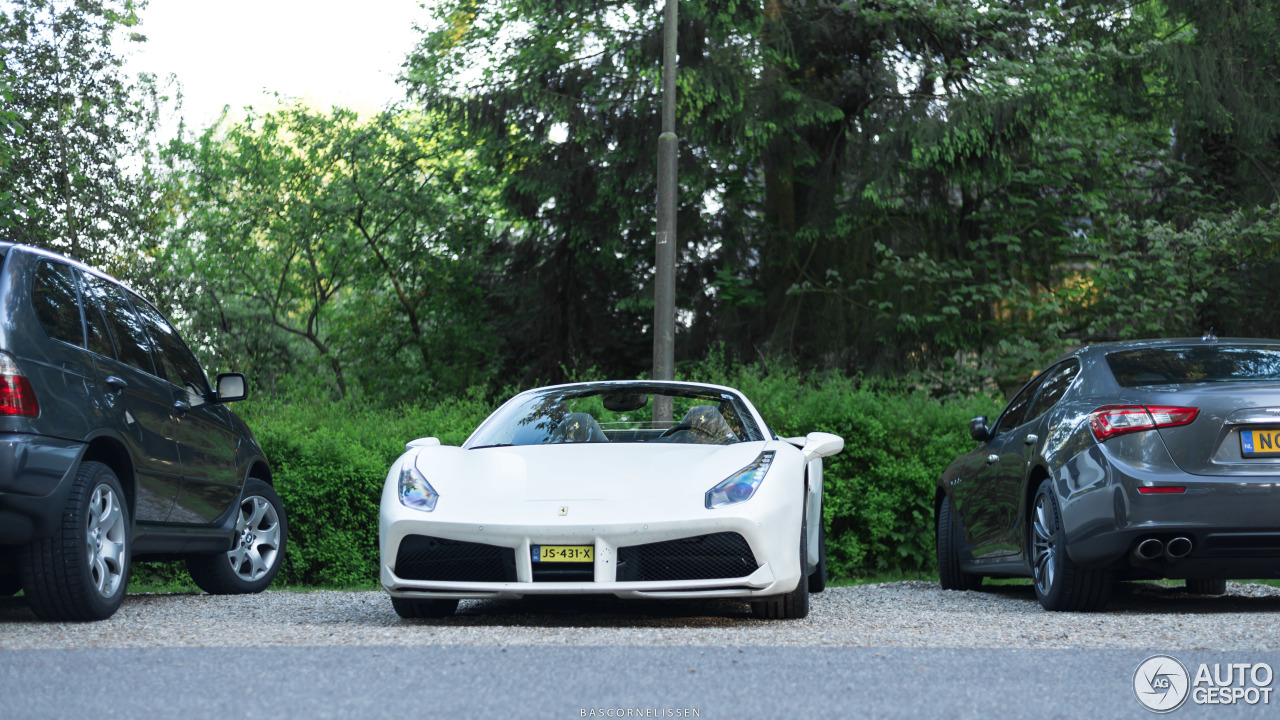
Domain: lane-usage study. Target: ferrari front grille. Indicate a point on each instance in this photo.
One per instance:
(430, 558)
(704, 557)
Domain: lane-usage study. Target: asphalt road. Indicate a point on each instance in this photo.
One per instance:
(907, 650)
(571, 682)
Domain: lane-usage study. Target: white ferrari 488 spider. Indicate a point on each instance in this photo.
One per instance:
(640, 489)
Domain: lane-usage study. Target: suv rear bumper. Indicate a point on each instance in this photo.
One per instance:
(36, 474)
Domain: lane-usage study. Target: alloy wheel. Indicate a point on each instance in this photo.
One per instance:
(1044, 545)
(257, 539)
(105, 541)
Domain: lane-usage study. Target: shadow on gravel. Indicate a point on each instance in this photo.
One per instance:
(14, 609)
(1154, 599)
(603, 611)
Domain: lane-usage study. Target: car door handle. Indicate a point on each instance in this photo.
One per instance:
(1031, 438)
(181, 407)
(992, 459)
(116, 383)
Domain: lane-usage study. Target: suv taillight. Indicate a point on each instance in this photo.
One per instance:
(1111, 420)
(16, 395)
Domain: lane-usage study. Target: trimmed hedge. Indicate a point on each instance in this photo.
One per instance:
(330, 460)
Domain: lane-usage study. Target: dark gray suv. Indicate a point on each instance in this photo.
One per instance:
(114, 448)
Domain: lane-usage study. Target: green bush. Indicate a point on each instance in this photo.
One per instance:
(878, 492)
(330, 459)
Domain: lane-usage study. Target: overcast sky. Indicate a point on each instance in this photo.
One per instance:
(232, 51)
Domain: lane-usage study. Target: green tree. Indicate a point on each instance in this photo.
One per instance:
(76, 175)
(316, 235)
(1221, 91)
(828, 151)
(9, 128)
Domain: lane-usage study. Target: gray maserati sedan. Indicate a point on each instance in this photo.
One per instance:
(1124, 461)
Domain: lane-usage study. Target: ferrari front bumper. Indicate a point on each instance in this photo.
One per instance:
(774, 551)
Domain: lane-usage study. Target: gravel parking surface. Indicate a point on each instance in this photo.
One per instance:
(902, 614)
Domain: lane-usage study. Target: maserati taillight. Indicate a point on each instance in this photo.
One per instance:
(16, 395)
(1111, 420)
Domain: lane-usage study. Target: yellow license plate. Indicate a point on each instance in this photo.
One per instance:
(1259, 442)
(564, 553)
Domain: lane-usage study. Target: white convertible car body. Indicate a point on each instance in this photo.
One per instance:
(543, 499)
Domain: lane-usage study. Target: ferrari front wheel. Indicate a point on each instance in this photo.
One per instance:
(411, 609)
(818, 580)
(795, 604)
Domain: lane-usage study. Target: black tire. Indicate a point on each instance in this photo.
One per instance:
(1207, 587)
(793, 605)
(1060, 584)
(818, 579)
(949, 535)
(412, 609)
(81, 571)
(259, 535)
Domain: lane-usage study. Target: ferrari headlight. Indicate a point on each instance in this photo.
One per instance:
(741, 485)
(415, 491)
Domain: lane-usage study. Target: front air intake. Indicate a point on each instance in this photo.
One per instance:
(430, 558)
(704, 557)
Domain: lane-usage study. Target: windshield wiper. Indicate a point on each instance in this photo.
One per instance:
(478, 447)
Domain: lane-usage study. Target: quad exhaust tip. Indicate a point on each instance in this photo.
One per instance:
(1178, 548)
(1149, 549)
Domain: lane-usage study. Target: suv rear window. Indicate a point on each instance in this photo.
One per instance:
(56, 305)
(1197, 364)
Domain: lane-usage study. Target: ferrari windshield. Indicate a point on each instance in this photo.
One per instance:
(620, 414)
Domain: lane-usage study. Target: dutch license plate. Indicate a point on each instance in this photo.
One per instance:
(1259, 442)
(564, 553)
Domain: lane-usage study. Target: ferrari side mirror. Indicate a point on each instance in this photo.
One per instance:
(820, 444)
(422, 442)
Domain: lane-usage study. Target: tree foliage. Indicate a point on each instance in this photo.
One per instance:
(315, 240)
(949, 189)
(873, 186)
(77, 132)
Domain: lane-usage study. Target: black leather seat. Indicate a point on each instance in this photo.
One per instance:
(577, 428)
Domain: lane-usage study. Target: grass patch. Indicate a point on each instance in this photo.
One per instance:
(161, 578)
(885, 577)
(171, 578)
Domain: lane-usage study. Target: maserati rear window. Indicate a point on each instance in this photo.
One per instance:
(619, 414)
(1196, 364)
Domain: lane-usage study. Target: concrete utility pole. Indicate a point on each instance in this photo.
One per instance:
(664, 286)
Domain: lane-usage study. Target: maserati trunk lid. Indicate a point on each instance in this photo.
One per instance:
(1235, 433)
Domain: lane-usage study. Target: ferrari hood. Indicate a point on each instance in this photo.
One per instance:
(583, 471)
